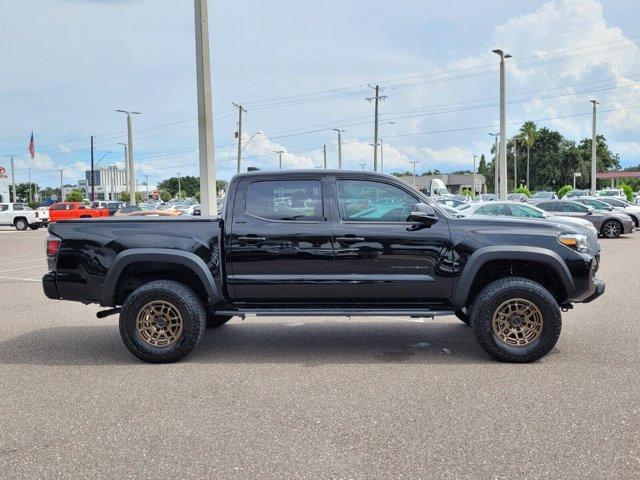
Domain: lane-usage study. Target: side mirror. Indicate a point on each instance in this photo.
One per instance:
(423, 213)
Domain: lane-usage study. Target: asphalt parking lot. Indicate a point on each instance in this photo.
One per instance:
(315, 398)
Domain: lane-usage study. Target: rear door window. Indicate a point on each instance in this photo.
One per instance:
(286, 200)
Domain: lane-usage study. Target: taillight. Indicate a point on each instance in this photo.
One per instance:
(53, 245)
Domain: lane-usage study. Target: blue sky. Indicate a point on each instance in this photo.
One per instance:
(70, 63)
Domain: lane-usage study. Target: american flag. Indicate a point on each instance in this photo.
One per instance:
(32, 147)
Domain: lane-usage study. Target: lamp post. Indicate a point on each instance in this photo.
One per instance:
(415, 162)
(594, 141)
(132, 177)
(502, 178)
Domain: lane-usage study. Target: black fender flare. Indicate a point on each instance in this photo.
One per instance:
(480, 257)
(186, 259)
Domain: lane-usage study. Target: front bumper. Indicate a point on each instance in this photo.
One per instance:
(599, 290)
(49, 286)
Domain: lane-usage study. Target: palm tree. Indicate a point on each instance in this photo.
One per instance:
(530, 135)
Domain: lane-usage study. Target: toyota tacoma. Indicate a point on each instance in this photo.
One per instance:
(317, 243)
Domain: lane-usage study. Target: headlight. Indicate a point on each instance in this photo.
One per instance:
(575, 241)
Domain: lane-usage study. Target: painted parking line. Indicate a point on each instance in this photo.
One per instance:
(39, 259)
(21, 279)
(23, 268)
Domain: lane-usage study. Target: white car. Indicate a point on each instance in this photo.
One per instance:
(19, 215)
(43, 215)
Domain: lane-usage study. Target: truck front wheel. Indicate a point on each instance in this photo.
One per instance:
(516, 320)
(162, 321)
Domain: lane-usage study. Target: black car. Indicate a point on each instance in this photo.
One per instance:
(323, 242)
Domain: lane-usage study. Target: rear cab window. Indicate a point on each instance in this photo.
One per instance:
(285, 200)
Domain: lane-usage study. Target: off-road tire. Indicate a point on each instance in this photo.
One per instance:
(492, 296)
(184, 300)
(215, 321)
(606, 231)
(21, 224)
(462, 316)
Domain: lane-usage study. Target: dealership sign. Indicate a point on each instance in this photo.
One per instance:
(3, 172)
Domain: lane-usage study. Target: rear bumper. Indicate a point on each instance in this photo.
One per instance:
(49, 286)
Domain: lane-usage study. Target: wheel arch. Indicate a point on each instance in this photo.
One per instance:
(548, 269)
(170, 264)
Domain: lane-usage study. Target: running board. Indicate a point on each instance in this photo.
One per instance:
(330, 312)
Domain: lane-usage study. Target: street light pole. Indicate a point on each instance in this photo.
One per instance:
(473, 190)
(279, 152)
(414, 172)
(205, 114)
(324, 154)
(126, 163)
(381, 157)
(179, 187)
(594, 140)
(503, 127)
(339, 147)
(132, 176)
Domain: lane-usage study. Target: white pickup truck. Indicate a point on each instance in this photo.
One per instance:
(20, 216)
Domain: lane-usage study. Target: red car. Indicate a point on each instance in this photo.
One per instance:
(73, 210)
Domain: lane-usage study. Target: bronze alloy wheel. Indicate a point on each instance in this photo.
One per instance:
(517, 322)
(159, 323)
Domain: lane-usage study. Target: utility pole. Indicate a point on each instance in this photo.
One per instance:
(377, 98)
(473, 190)
(381, 156)
(324, 154)
(503, 127)
(13, 180)
(179, 187)
(208, 196)
(339, 147)
(61, 186)
(495, 162)
(279, 152)
(414, 172)
(132, 176)
(594, 141)
(240, 110)
(93, 175)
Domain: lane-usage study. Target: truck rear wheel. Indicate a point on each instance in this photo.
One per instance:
(516, 320)
(34, 226)
(21, 224)
(162, 321)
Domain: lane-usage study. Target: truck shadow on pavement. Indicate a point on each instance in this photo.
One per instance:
(311, 343)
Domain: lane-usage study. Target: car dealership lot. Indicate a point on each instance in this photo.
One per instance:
(311, 397)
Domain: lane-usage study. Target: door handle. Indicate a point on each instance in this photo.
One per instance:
(251, 239)
(350, 239)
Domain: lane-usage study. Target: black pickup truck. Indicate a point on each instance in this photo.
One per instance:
(323, 242)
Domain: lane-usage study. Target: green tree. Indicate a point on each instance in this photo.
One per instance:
(22, 191)
(564, 190)
(628, 191)
(529, 133)
(75, 195)
(524, 190)
(124, 197)
(165, 196)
